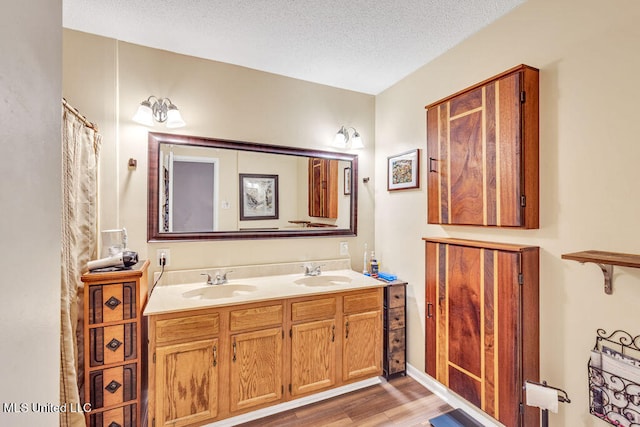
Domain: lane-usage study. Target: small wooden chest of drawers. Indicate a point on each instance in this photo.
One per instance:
(394, 361)
(113, 346)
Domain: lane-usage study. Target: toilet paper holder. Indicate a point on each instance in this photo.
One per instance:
(563, 397)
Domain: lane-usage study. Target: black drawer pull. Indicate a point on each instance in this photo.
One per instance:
(396, 340)
(397, 296)
(113, 386)
(397, 318)
(113, 345)
(114, 424)
(112, 303)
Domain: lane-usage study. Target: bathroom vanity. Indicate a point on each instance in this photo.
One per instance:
(216, 351)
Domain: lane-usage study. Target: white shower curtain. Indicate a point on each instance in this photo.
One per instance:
(80, 150)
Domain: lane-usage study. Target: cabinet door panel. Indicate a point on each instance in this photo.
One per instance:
(466, 386)
(186, 383)
(466, 169)
(362, 348)
(313, 354)
(256, 368)
(463, 300)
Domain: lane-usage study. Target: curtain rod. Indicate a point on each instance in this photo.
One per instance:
(82, 118)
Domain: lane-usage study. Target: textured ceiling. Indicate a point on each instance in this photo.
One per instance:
(361, 45)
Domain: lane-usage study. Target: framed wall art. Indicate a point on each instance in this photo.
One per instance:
(258, 196)
(403, 170)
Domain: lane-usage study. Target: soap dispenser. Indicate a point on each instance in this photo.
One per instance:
(373, 265)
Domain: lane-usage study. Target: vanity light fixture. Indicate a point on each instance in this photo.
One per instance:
(346, 140)
(161, 110)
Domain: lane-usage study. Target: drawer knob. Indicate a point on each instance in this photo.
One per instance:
(113, 345)
(112, 303)
(114, 424)
(113, 386)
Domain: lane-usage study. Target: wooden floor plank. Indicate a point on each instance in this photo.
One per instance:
(399, 402)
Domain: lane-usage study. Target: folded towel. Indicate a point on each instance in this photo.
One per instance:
(387, 276)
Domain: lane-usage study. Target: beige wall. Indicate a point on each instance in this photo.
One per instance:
(587, 53)
(30, 197)
(107, 80)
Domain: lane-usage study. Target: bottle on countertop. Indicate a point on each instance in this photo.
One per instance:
(373, 265)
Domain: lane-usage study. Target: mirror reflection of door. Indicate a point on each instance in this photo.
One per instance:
(193, 183)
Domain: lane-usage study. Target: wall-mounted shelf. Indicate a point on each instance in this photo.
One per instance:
(606, 261)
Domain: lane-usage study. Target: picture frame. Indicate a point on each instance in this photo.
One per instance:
(347, 181)
(403, 170)
(258, 196)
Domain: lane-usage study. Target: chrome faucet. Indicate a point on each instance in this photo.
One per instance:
(220, 279)
(311, 270)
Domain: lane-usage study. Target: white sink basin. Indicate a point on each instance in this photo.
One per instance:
(323, 280)
(219, 291)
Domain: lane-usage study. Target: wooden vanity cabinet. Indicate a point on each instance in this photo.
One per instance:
(482, 147)
(256, 356)
(362, 335)
(313, 345)
(185, 362)
(482, 323)
(211, 364)
(323, 188)
(114, 346)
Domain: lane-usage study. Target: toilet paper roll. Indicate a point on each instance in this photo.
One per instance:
(542, 397)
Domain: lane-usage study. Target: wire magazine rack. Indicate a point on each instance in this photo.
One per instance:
(614, 393)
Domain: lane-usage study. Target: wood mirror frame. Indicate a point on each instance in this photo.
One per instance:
(153, 230)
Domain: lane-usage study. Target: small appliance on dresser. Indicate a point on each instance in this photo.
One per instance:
(115, 346)
(394, 360)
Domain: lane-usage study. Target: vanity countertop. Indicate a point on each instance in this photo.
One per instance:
(196, 295)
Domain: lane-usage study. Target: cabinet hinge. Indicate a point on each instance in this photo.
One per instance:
(520, 279)
(154, 357)
(523, 201)
(521, 408)
(523, 96)
(290, 387)
(290, 333)
(153, 423)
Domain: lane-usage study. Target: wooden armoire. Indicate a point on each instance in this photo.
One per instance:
(482, 317)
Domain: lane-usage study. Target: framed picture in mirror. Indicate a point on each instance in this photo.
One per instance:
(258, 197)
(347, 181)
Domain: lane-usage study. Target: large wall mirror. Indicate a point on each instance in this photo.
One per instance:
(206, 189)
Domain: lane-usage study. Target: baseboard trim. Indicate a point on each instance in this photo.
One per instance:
(293, 404)
(451, 398)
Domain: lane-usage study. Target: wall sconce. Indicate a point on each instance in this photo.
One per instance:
(162, 110)
(346, 140)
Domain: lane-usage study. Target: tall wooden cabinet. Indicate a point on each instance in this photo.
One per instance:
(323, 188)
(482, 146)
(482, 323)
(114, 341)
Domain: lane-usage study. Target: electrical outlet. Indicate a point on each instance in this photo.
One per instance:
(344, 248)
(167, 257)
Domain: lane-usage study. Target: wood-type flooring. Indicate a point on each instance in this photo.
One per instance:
(401, 401)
